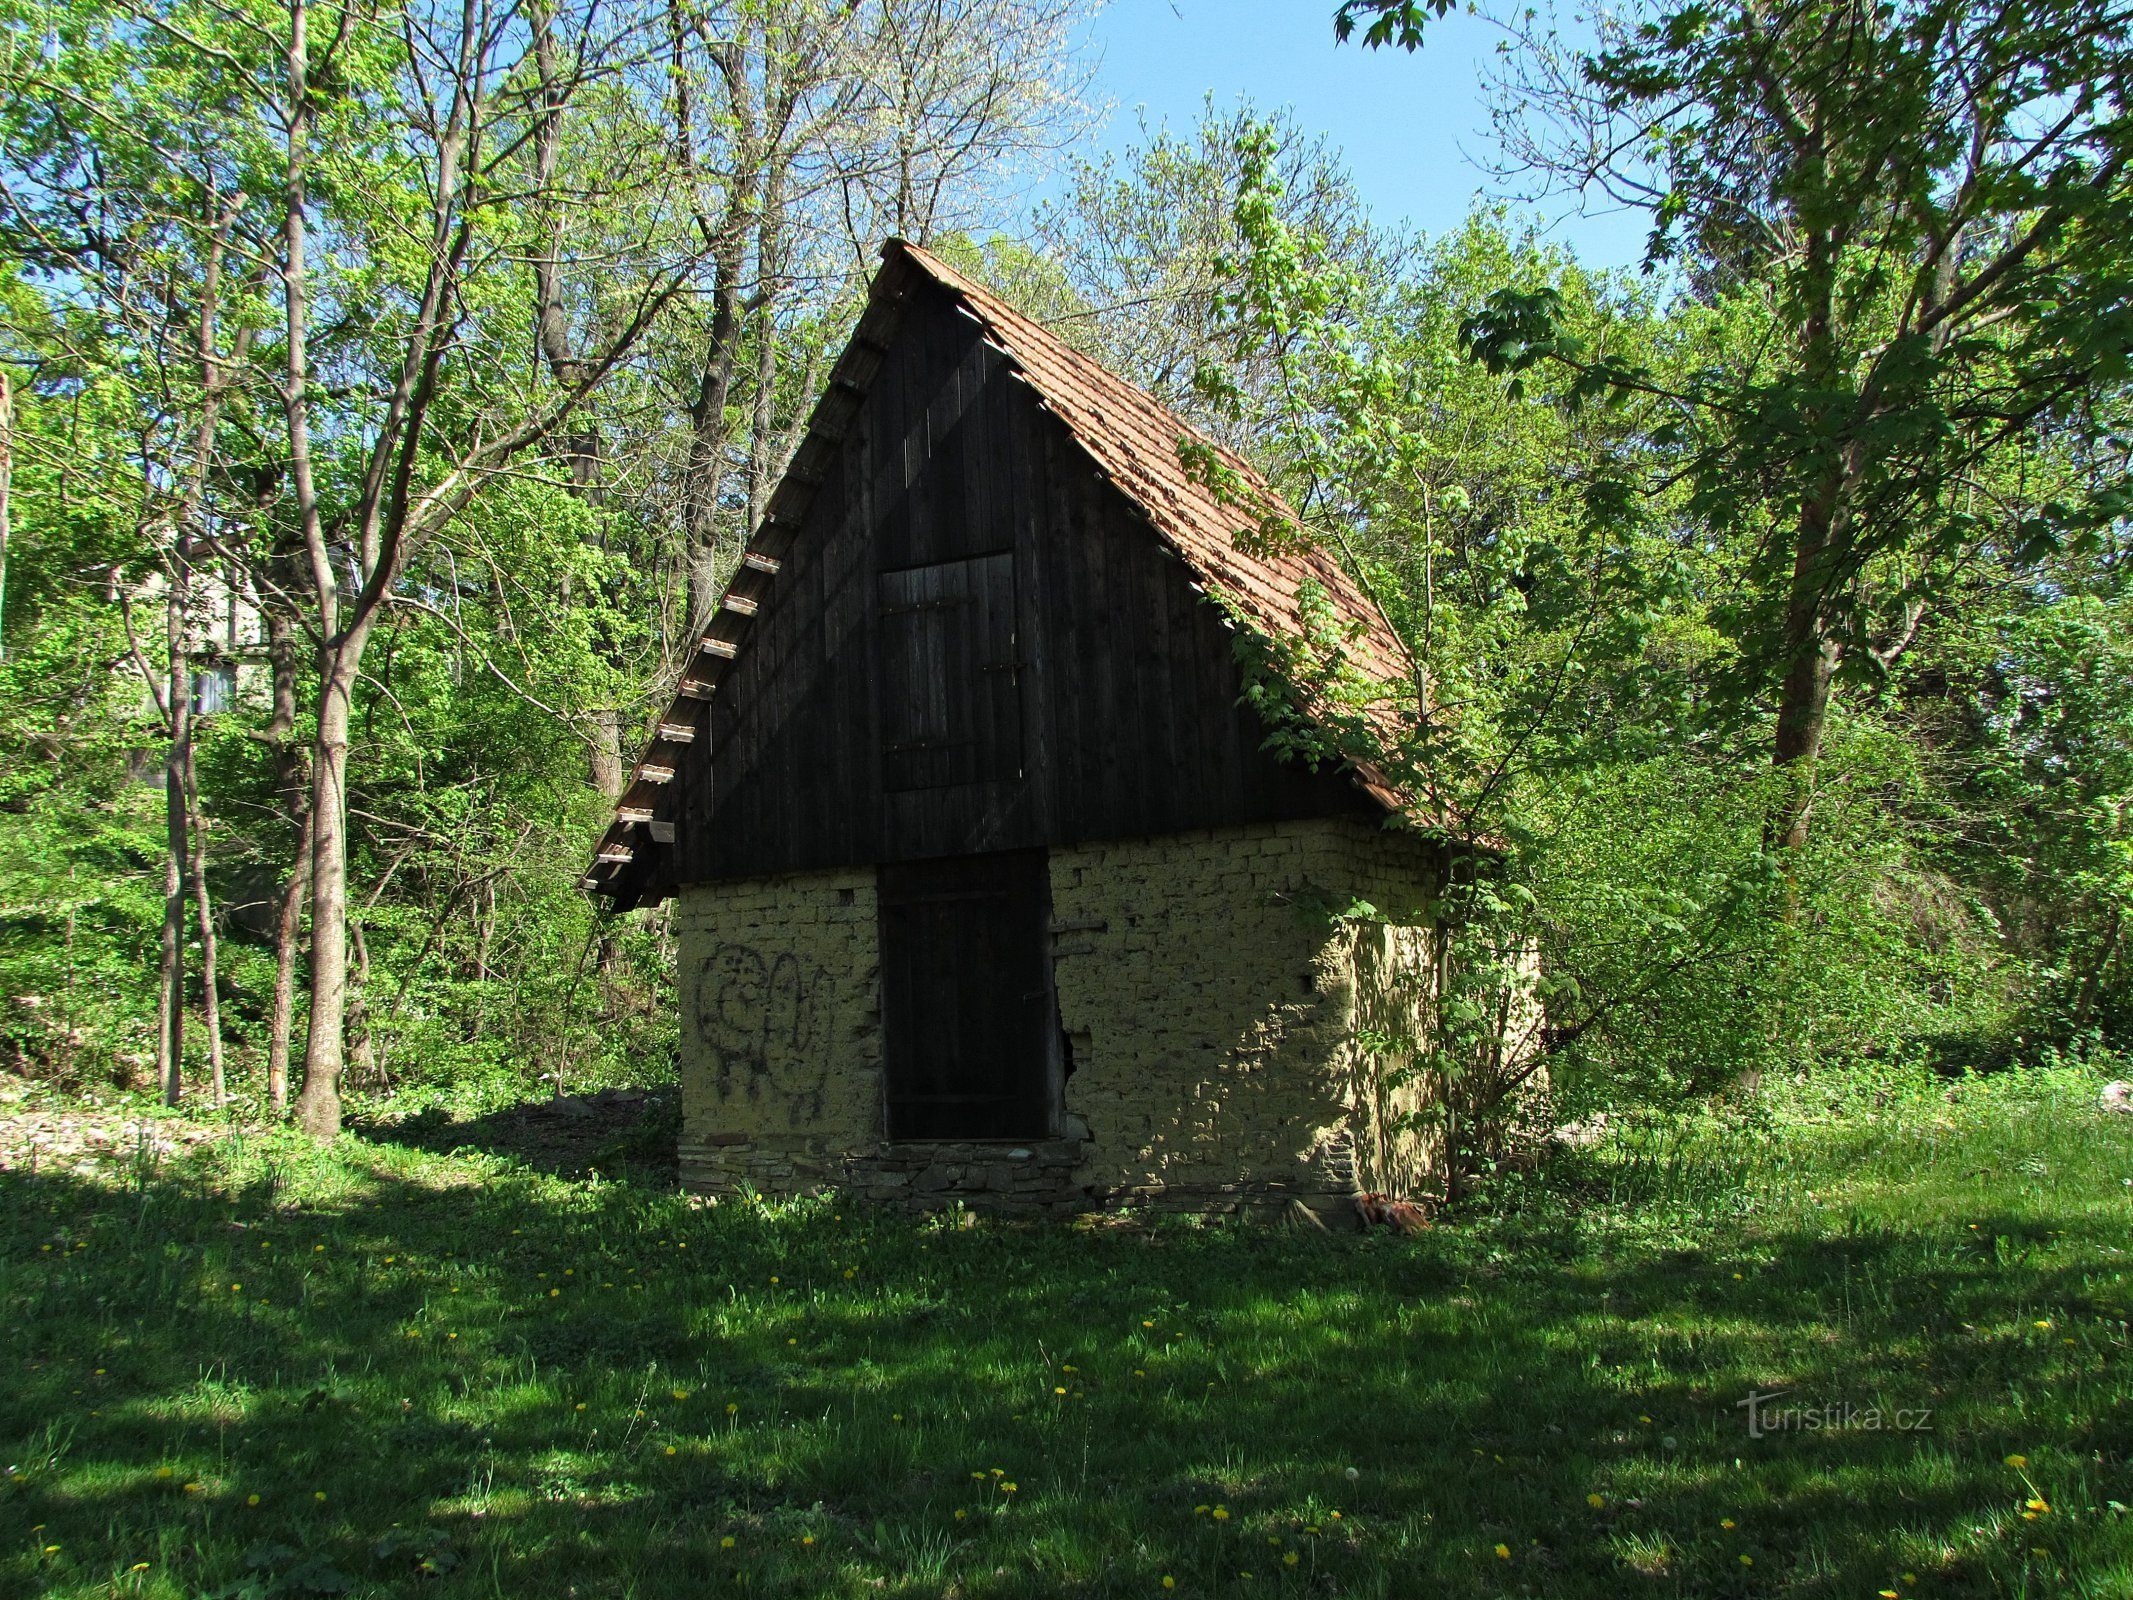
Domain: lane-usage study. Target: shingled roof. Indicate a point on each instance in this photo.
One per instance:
(1132, 440)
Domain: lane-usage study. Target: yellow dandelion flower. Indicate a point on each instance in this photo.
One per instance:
(1503, 1552)
(1007, 1488)
(1727, 1523)
(1747, 1561)
(138, 1566)
(896, 1416)
(726, 1543)
(1290, 1559)
(2042, 1323)
(1199, 1511)
(319, 1495)
(960, 1513)
(1169, 1582)
(681, 1394)
(1221, 1513)
(731, 1408)
(251, 1499)
(2018, 1462)
(670, 1449)
(1056, 1389)
(807, 1538)
(162, 1472)
(2038, 1505)
(1595, 1501)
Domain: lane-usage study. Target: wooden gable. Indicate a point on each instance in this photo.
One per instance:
(957, 633)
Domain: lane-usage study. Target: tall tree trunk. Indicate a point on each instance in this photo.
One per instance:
(204, 913)
(7, 480)
(318, 1107)
(727, 241)
(170, 1032)
(762, 433)
(1811, 656)
(706, 469)
(1811, 648)
(288, 940)
(276, 597)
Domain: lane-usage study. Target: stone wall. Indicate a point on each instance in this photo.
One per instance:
(1209, 1000)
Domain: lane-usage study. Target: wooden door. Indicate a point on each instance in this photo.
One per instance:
(969, 1023)
(951, 706)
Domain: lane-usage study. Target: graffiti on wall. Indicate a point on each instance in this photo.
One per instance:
(762, 1016)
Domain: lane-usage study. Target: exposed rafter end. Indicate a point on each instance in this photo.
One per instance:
(724, 649)
(653, 773)
(630, 816)
(756, 561)
(695, 689)
(678, 732)
(739, 604)
(617, 854)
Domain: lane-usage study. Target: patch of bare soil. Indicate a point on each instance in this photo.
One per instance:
(90, 1141)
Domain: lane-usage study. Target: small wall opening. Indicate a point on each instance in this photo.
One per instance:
(970, 1037)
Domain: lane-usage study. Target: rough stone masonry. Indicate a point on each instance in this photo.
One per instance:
(1211, 999)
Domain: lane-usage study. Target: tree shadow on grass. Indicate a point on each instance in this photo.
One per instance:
(548, 1390)
(629, 1134)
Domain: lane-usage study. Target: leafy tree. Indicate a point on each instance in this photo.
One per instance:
(1915, 217)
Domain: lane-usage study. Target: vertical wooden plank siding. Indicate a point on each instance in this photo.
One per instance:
(964, 575)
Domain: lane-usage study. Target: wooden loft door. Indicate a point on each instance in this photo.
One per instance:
(969, 1023)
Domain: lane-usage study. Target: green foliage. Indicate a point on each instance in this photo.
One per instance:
(1577, 726)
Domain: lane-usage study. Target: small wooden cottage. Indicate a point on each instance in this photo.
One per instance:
(987, 888)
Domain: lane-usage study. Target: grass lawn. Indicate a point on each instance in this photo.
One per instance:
(380, 1369)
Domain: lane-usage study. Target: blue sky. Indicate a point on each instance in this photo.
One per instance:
(1410, 126)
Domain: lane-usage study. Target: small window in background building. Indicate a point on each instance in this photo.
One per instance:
(214, 689)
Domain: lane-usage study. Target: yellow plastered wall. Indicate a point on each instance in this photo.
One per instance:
(1209, 998)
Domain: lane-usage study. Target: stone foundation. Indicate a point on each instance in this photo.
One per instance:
(1210, 1001)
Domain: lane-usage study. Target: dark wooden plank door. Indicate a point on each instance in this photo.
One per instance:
(968, 1020)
